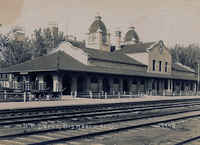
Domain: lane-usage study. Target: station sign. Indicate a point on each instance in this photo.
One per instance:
(23, 73)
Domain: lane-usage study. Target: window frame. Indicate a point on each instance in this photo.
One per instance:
(153, 65)
(166, 66)
(160, 66)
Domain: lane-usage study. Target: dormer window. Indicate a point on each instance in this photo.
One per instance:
(160, 66)
(166, 64)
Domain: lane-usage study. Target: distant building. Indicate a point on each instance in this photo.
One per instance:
(133, 66)
(18, 33)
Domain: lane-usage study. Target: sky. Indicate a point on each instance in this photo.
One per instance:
(174, 21)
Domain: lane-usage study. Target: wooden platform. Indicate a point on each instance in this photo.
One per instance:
(69, 101)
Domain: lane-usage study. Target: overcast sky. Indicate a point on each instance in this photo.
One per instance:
(174, 21)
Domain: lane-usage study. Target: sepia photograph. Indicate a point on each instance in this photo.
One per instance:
(99, 72)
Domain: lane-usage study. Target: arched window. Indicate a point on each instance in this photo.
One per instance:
(154, 65)
(166, 65)
(160, 66)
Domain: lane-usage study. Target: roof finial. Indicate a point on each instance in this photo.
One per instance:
(131, 26)
(98, 17)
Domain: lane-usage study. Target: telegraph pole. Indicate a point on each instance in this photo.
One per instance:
(198, 79)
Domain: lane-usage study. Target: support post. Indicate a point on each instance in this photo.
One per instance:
(24, 96)
(75, 94)
(106, 95)
(90, 93)
(119, 95)
(198, 79)
(5, 95)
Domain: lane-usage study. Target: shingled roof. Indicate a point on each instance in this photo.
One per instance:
(181, 67)
(52, 62)
(61, 61)
(110, 56)
(135, 48)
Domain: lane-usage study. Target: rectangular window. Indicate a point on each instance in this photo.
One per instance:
(154, 65)
(160, 66)
(166, 63)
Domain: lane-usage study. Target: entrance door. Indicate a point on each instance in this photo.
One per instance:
(106, 86)
(48, 83)
(158, 86)
(125, 86)
(66, 83)
(81, 84)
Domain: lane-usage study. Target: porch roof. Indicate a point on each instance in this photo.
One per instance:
(61, 61)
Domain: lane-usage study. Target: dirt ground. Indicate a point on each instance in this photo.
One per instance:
(162, 134)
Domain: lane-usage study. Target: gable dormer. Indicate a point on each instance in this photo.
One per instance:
(160, 59)
(75, 52)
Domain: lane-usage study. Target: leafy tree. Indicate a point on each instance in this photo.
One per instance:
(187, 55)
(45, 40)
(14, 51)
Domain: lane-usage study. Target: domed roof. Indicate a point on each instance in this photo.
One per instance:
(96, 25)
(132, 35)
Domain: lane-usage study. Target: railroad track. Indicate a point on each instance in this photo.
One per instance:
(89, 113)
(191, 140)
(94, 129)
(83, 122)
(12, 114)
(24, 111)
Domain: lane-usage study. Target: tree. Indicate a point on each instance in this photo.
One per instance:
(14, 51)
(187, 55)
(45, 40)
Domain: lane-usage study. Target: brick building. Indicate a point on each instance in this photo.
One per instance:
(127, 66)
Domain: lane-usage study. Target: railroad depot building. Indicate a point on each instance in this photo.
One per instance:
(128, 66)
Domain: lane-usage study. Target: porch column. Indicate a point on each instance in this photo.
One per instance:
(195, 86)
(40, 79)
(172, 86)
(169, 86)
(56, 83)
(10, 80)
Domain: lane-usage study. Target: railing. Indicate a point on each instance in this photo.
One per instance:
(133, 94)
(105, 95)
(13, 96)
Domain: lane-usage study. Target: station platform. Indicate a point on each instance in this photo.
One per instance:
(68, 101)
